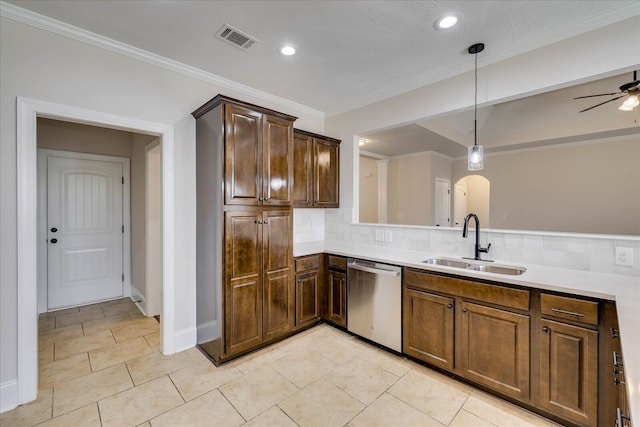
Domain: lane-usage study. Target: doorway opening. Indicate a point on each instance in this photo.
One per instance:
(28, 111)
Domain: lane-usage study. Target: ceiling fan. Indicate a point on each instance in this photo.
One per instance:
(631, 90)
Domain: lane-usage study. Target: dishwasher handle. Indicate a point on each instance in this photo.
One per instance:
(374, 270)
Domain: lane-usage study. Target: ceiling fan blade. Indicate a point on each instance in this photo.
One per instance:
(600, 94)
(602, 103)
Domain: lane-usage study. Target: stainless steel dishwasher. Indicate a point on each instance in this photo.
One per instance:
(374, 302)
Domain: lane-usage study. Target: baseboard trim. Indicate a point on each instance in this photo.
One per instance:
(208, 331)
(8, 396)
(184, 339)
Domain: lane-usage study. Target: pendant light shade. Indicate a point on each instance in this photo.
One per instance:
(476, 152)
(476, 158)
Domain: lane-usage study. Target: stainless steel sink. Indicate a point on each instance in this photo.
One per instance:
(497, 269)
(447, 262)
(513, 271)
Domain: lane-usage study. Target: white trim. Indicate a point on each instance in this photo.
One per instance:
(138, 299)
(185, 338)
(46, 23)
(43, 153)
(154, 301)
(208, 331)
(8, 396)
(28, 110)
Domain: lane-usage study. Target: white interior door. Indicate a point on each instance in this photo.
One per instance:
(459, 204)
(84, 231)
(443, 202)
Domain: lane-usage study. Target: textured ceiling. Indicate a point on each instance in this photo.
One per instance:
(350, 53)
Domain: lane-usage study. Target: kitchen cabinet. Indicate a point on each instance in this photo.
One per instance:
(308, 288)
(337, 290)
(258, 154)
(494, 348)
(568, 351)
(569, 371)
(244, 251)
(455, 324)
(614, 403)
(258, 278)
(316, 171)
(428, 327)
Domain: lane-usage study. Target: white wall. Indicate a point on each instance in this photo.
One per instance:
(38, 64)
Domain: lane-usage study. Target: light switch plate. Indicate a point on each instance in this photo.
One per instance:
(624, 256)
(388, 236)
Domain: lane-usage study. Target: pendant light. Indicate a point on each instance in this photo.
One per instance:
(476, 152)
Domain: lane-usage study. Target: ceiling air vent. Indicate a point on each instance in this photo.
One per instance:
(236, 37)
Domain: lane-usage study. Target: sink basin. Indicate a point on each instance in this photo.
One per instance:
(447, 262)
(497, 269)
(513, 271)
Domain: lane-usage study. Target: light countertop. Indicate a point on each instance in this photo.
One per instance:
(624, 290)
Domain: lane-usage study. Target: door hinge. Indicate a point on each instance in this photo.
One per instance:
(123, 229)
(123, 180)
(123, 277)
(448, 191)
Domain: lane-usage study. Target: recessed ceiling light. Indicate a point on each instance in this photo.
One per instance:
(362, 141)
(287, 50)
(446, 21)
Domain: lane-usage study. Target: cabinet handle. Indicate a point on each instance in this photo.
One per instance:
(260, 199)
(464, 310)
(449, 305)
(615, 333)
(617, 359)
(545, 329)
(266, 222)
(616, 372)
(620, 419)
(260, 222)
(617, 381)
(570, 313)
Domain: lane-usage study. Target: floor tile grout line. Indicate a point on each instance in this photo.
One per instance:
(231, 403)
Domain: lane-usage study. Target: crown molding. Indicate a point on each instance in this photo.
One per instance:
(15, 13)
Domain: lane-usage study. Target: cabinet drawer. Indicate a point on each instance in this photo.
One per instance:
(569, 308)
(307, 263)
(508, 297)
(337, 263)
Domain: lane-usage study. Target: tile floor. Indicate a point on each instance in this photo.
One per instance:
(101, 365)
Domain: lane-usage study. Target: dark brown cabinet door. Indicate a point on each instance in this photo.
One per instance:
(278, 273)
(428, 328)
(326, 172)
(494, 349)
(569, 372)
(302, 171)
(337, 307)
(307, 298)
(277, 166)
(243, 281)
(243, 156)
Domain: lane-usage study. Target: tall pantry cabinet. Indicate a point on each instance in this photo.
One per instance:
(244, 165)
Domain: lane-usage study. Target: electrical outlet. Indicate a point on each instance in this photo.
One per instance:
(380, 235)
(388, 236)
(624, 256)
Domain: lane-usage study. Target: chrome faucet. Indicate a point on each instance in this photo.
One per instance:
(477, 248)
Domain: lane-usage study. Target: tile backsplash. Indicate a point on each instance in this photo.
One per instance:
(572, 251)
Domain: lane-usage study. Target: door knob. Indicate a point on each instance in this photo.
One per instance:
(53, 230)
(54, 240)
